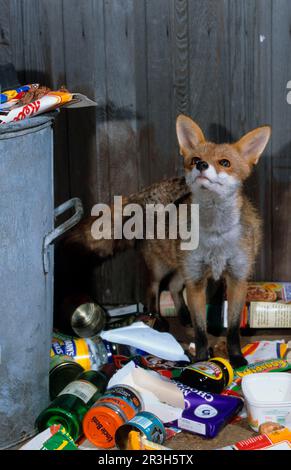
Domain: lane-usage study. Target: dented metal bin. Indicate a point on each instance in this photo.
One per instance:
(26, 272)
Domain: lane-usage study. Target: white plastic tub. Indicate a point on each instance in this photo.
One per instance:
(268, 397)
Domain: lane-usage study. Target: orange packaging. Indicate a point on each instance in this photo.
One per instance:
(115, 408)
(102, 421)
(276, 440)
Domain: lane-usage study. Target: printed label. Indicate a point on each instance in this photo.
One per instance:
(208, 369)
(126, 394)
(81, 389)
(205, 411)
(76, 348)
(189, 425)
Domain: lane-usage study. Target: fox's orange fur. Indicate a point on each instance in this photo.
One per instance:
(230, 229)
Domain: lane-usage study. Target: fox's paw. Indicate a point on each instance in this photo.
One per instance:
(237, 361)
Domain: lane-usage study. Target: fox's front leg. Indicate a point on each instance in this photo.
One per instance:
(236, 296)
(196, 299)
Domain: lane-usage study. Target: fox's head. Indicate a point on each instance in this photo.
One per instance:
(219, 168)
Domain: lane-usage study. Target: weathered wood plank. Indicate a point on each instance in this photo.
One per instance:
(85, 73)
(208, 64)
(162, 138)
(281, 147)
(120, 49)
(250, 30)
(5, 33)
(180, 51)
(43, 61)
(17, 37)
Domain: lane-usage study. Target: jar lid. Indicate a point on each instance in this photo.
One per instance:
(100, 425)
(226, 363)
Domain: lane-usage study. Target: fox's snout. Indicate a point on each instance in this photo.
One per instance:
(201, 165)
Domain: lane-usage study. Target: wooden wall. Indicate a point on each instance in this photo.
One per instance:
(224, 62)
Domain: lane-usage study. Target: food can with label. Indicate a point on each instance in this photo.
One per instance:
(145, 423)
(117, 406)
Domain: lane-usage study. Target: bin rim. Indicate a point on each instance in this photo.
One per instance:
(26, 126)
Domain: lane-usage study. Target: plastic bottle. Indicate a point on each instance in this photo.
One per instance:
(212, 376)
(90, 353)
(72, 403)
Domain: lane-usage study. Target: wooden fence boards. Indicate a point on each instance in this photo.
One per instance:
(224, 62)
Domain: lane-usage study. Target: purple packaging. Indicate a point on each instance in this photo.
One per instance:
(206, 413)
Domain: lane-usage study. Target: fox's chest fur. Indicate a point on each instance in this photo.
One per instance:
(220, 246)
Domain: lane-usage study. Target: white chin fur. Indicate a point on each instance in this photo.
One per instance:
(220, 183)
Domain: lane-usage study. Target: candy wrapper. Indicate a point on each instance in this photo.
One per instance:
(272, 365)
(264, 350)
(48, 102)
(53, 438)
(277, 440)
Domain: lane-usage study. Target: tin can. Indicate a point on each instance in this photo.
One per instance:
(123, 393)
(63, 370)
(117, 406)
(145, 423)
(88, 320)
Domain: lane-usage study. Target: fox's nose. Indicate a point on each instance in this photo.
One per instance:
(201, 165)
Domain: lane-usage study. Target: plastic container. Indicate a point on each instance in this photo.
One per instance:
(117, 406)
(268, 398)
(90, 353)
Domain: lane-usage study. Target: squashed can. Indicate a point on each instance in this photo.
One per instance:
(117, 406)
(147, 424)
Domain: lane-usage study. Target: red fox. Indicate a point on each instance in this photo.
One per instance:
(229, 230)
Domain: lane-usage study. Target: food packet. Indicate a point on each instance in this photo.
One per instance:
(277, 440)
(271, 365)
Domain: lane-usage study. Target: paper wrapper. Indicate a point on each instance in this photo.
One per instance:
(47, 103)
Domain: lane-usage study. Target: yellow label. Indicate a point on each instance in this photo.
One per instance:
(76, 348)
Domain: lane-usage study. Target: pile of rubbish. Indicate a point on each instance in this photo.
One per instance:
(133, 388)
(30, 100)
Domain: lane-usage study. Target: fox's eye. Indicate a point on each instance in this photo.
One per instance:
(224, 162)
(195, 160)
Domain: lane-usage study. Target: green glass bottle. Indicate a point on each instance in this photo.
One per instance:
(72, 403)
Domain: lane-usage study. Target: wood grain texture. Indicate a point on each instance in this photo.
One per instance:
(250, 55)
(120, 48)
(209, 67)
(281, 141)
(17, 37)
(43, 62)
(224, 62)
(5, 33)
(181, 72)
(162, 139)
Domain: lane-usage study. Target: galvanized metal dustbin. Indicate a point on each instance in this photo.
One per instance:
(26, 272)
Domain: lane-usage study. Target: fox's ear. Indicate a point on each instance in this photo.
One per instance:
(252, 145)
(189, 133)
